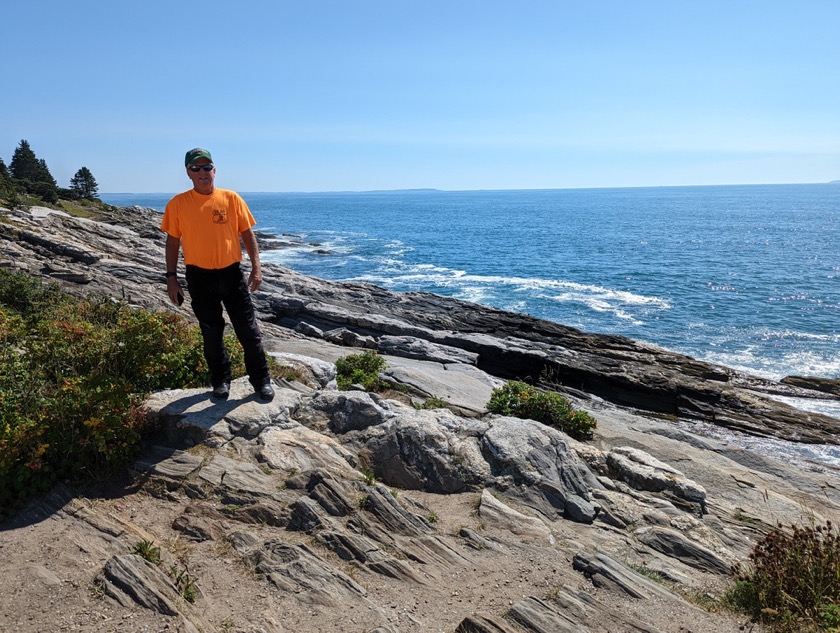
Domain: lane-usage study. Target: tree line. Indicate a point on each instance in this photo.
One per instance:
(28, 175)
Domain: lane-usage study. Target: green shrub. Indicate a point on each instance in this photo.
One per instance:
(522, 400)
(72, 374)
(361, 369)
(28, 298)
(433, 402)
(793, 580)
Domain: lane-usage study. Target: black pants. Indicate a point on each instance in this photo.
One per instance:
(209, 291)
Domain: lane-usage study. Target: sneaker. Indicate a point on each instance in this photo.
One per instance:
(265, 391)
(222, 391)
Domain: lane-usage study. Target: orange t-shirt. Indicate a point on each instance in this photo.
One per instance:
(208, 226)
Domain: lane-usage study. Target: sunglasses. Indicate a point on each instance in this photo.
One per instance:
(197, 168)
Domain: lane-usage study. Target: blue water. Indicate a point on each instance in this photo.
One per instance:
(745, 276)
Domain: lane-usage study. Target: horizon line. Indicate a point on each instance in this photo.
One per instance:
(436, 190)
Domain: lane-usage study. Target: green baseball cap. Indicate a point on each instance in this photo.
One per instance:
(196, 153)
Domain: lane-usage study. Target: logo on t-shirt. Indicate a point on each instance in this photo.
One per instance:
(220, 216)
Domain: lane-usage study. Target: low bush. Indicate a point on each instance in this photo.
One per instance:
(522, 400)
(72, 374)
(361, 369)
(792, 582)
(432, 402)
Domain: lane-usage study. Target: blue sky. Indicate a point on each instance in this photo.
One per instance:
(338, 95)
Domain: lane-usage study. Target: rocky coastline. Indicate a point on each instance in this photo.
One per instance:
(348, 511)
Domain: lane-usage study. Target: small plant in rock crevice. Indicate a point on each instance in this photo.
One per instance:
(649, 573)
(147, 550)
(184, 582)
(432, 402)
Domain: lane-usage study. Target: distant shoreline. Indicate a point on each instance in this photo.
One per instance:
(433, 190)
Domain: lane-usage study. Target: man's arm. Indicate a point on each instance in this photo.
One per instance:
(250, 242)
(173, 288)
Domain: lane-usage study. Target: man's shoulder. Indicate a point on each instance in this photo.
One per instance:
(231, 199)
(226, 193)
(179, 197)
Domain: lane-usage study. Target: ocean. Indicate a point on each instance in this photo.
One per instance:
(744, 276)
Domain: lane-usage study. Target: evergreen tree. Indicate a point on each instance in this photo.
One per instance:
(44, 174)
(83, 184)
(32, 174)
(6, 187)
(24, 165)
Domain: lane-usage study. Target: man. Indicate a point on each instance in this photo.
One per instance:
(209, 223)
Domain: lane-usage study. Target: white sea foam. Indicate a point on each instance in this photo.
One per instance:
(479, 288)
(474, 293)
(813, 457)
(809, 363)
(744, 349)
(398, 247)
(596, 302)
(516, 306)
(384, 264)
(752, 361)
(823, 406)
(293, 255)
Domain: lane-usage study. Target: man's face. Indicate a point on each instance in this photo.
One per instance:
(202, 179)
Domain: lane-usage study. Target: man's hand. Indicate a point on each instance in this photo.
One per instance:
(174, 290)
(255, 279)
(250, 242)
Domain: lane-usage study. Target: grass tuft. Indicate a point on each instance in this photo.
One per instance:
(147, 549)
